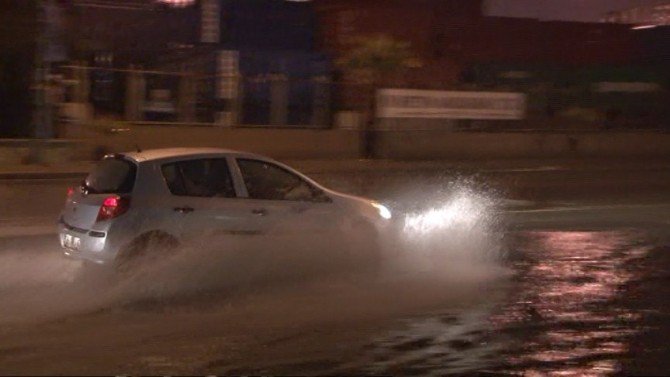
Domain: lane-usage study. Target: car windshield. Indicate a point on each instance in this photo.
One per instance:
(112, 175)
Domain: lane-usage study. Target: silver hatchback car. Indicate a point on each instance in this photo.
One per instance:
(133, 202)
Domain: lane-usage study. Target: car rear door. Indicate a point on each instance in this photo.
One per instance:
(204, 201)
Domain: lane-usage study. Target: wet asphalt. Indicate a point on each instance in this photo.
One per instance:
(578, 285)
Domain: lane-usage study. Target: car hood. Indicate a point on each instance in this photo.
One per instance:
(359, 204)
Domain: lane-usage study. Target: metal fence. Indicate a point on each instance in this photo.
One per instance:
(280, 101)
(187, 97)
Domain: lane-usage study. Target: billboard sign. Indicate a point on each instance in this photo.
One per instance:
(411, 103)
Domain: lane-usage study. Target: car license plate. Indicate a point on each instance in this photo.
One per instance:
(71, 242)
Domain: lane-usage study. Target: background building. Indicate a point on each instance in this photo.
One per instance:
(237, 53)
(274, 62)
(18, 48)
(450, 37)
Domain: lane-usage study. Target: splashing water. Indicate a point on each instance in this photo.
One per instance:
(452, 232)
(448, 239)
(462, 211)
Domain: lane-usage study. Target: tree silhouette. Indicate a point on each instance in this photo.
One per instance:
(370, 61)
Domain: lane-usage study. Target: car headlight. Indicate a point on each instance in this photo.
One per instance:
(383, 211)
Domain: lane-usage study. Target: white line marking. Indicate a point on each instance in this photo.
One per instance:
(591, 208)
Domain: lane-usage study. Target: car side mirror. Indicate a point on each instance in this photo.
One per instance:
(321, 197)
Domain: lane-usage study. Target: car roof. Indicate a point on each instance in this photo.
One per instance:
(171, 153)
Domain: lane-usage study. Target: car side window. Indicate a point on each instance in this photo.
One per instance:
(270, 182)
(199, 178)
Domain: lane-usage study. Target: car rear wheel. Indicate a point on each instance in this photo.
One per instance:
(144, 250)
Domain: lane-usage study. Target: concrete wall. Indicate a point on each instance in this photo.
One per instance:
(400, 145)
(296, 144)
(47, 152)
(421, 145)
(278, 143)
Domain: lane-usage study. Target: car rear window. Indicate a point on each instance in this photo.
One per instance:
(111, 176)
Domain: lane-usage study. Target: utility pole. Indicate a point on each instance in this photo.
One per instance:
(49, 49)
(42, 127)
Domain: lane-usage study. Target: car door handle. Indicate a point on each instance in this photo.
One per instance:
(260, 211)
(183, 209)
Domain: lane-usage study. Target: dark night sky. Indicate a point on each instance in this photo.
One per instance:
(577, 10)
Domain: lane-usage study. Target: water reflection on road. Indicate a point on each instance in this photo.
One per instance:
(559, 315)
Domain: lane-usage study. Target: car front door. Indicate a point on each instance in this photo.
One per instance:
(283, 202)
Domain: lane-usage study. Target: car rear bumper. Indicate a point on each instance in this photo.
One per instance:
(79, 244)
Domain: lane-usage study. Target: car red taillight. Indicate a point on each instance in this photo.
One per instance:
(113, 206)
(70, 192)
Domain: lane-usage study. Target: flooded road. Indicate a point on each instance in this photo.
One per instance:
(477, 283)
(571, 307)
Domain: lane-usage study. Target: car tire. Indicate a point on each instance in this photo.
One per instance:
(144, 250)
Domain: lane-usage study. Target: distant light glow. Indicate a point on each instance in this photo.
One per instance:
(642, 27)
(177, 3)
